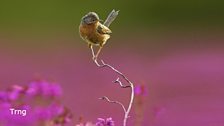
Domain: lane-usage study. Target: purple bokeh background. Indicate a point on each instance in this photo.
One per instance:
(184, 75)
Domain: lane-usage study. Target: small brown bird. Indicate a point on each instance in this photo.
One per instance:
(94, 32)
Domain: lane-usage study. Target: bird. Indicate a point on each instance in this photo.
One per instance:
(94, 32)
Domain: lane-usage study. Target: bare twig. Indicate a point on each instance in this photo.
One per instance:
(116, 102)
(131, 85)
(120, 83)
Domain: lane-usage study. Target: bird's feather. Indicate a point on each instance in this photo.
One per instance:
(110, 18)
(103, 29)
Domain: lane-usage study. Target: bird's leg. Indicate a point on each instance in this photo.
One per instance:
(92, 50)
(93, 53)
(98, 52)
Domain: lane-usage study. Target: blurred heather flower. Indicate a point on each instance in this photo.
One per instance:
(140, 90)
(4, 108)
(105, 122)
(39, 99)
(15, 92)
(48, 112)
(44, 88)
(11, 94)
(33, 89)
(86, 124)
(3, 96)
(62, 118)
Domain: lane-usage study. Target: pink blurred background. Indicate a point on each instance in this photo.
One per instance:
(184, 81)
(175, 50)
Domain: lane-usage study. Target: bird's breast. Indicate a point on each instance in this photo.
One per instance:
(89, 34)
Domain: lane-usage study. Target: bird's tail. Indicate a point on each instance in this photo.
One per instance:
(110, 18)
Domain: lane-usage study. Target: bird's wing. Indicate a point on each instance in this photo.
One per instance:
(103, 29)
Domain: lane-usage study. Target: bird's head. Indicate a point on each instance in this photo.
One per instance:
(90, 18)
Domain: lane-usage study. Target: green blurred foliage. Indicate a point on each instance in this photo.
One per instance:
(66, 14)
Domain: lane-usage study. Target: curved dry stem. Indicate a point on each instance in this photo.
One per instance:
(115, 102)
(131, 85)
(120, 83)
